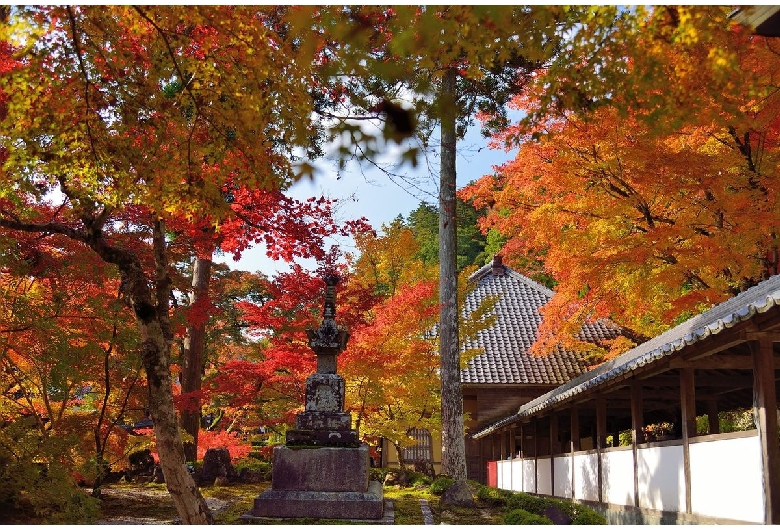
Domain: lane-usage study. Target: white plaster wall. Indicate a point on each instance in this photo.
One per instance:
(517, 475)
(529, 476)
(543, 476)
(661, 484)
(586, 476)
(500, 464)
(726, 479)
(505, 474)
(618, 476)
(563, 472)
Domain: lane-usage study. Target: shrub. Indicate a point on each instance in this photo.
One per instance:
(236, 446)
(589, 517)
(414, 477)
(529, 503)
(494, 496)
(254, 465)
(440, 484)
(524, 517)
(378, 473)
(419, 480)
(37, 483)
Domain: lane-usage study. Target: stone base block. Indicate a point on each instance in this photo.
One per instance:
(321, 504)
(320, 469)
(325, 438)
(330, 421)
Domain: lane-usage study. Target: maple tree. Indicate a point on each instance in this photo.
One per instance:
(639, 188)
(142, 121)
(391, 364)
(69, 370)
(285, 226)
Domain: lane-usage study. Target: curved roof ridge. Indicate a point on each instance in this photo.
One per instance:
(533, 284)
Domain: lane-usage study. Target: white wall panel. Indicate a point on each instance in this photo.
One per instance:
(726, 479)
(661, 478)
(529, 476)
(586, 479)
(517, 475)
(543, 476)
(505, 474)
(618, 476)
(563, 471)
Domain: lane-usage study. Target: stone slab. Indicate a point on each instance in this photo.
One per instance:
(321, 504)
(322, 438)
(325, 393)
(321, 469)
(327, 421)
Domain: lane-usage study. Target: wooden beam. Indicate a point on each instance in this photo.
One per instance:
(575, 440)
(523, 451)
(575, 429)
(637, 435)
(720, 362)
(536, 455)
(714, 345)
(512, 442)
(762, 335)
(712, 416)
(553, 447)
(705, 380)
(601, 441)
(765, 403)
(688, 414)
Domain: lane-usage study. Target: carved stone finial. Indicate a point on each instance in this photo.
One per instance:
(329, 312)
(328, 340)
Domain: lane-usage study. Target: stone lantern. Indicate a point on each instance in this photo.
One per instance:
(322, 470)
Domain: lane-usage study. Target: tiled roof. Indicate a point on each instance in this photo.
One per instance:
(756, 300)
(506, 359)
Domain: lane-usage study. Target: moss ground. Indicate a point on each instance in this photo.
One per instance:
(124, 503)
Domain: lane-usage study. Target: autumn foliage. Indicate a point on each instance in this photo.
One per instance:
(658, 202)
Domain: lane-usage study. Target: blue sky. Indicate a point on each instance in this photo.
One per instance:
(368, 192)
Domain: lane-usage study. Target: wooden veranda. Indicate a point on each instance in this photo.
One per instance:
(723, 360)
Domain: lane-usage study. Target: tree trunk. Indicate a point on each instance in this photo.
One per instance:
(152, 317)
(453, 443)
(193, 354)
(154, 327)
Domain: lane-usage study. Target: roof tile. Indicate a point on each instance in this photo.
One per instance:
(506, 343)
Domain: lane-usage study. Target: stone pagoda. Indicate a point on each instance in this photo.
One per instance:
(322, 470)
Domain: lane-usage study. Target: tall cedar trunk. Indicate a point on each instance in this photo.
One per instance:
(193, 354)
(453, 444)
(152, 318)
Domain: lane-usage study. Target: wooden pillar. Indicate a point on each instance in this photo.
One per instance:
(512, 443)
(575, 441)
(637, 435)
(575, 429)
(765, 404)
(712, 416)
(493, 446)
(522, 452)
(502, 444)
(601, 442)
(688, 415)
(553, 448)
(536, 455)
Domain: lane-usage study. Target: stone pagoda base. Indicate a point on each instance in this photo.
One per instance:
(321, 482)
(321, 504)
